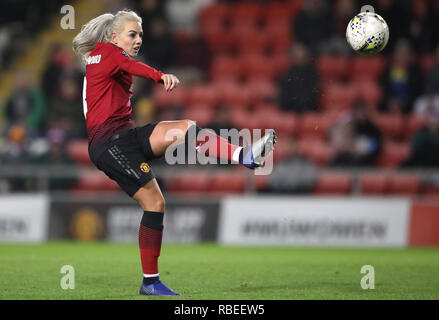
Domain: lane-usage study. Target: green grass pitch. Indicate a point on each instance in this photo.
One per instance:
(208, 271)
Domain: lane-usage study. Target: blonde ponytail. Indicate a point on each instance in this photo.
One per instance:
(100, 29)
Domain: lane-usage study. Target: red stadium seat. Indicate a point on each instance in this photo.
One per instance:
(315, 150)
(201, 94)
(367, 68)
(373, 183)
(254, 43)
(281, 63)
(333, 184)
(225, 67)
(246, 12)
(257, 66)
(332, 68)
(214, 12)
(315, 124)
(393, 154)
(78, 151)
(217, 38)
(227, 183)
(95, 181)
(261, 90)
(287, 124)
(368, 92)
(232, 93)
(412, 124)
(338, 96)
(404, 184)
(165, 99)
(201, 113)
(390, 124)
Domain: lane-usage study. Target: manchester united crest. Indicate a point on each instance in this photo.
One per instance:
(144, 167)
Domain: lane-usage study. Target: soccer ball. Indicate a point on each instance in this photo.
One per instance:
(367, 33)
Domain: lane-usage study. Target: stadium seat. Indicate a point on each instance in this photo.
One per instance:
(368, 92)
(165, 99)
(78, 151)
(315, 124)
(412, 124)
(201, 113)
(390, 124)
(214, 12)
(95, 181)
(393, 154)
(227, 183)
(330, 183)
(366, 68)
(261, 90)
(404, 184)
(201, 94)
(217, 38)
(225, 67)
(257, 66)
(338, 96)
(287, 124)
(315, 150)
(247, 13)
(281, 63)
(332, 68)
(373, 183)
(253, 43)
(232, 93)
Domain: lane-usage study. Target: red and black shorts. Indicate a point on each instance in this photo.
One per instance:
(125, 158)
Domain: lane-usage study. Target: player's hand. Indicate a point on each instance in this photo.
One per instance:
(170, 81)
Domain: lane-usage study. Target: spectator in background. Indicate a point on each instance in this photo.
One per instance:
(61, 65)
(426, 105)
(343, 13)
(294, 174)
(342, 141)
(432, 77)
(161, 50)
(299, 86)
(312, 25)
(194, 55)
(183, 14)
(367, 136)
(65, 110)
(425, 142)
(144, 112)
(25, 107)
(148, 11)
(57, 155)
(397, 15)
(402, 81)
(356, 140)
(421, 32)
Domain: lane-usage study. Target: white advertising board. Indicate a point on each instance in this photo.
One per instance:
(23, 217)
(302, 221)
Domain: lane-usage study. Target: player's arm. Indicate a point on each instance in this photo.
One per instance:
(140, 69)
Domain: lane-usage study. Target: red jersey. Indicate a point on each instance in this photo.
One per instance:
(107, 91)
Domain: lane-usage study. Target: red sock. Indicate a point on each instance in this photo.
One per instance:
(150, 241)
(216, 146)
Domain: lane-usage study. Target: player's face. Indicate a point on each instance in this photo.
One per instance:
(130, 38)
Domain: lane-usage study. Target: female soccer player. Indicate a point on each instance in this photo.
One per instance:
(108, 44)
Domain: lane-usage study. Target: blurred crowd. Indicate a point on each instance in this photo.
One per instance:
(39, 121)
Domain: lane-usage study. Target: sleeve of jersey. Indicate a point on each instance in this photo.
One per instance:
(134, 67)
